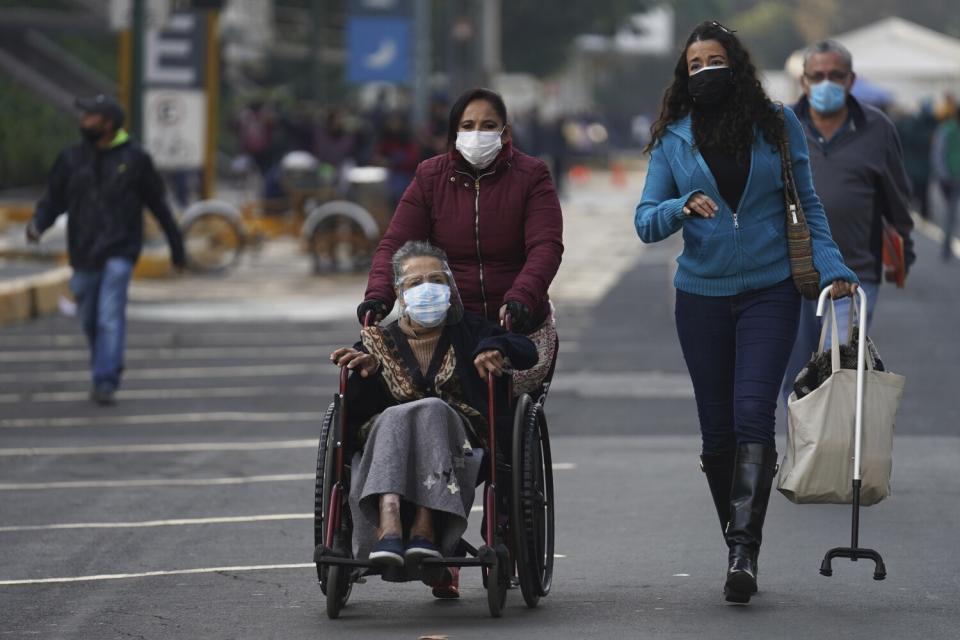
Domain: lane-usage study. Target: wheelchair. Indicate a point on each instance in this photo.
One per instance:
(518, 508)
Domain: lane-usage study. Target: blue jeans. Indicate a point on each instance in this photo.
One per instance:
(102, 307)
(808, 335)
(736, 349)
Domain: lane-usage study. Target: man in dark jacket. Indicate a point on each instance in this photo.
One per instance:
(104, 183)
(858, 172)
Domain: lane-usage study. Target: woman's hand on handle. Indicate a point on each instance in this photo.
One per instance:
(700, 204)
(519, 316)
(353, 359)
(378, 308)
(842, 289)
(490, 361)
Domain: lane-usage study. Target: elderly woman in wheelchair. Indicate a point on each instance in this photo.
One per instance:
(418, 399)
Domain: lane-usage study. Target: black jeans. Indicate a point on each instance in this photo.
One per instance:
(737, 349)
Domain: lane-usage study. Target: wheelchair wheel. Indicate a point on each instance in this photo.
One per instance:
(338, 244)
(339, 586)
(532, 512)
(213, 242)
(496, 581)
(324, 483)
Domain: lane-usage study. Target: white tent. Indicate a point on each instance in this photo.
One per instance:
(910, 61)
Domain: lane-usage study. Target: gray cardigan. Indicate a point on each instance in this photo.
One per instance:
(860, 178)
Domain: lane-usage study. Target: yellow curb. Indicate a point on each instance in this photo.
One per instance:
(48, 288)
(19, 213)
(15, 301)
(153, 265)
(32, 296)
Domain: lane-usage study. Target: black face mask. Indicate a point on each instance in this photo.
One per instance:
(710, 86)
(90, 134)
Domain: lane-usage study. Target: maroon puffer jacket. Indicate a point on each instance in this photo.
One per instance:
(502, 231)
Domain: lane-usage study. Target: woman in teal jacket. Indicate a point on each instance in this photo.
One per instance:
(715, 175)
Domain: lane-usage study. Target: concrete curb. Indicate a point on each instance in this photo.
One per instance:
(22, 299)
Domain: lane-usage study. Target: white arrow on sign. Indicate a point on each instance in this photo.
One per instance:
(384, 56)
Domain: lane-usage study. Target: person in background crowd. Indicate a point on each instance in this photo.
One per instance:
(104, 182)
(254, 126)
(435, 132)
(334, 144)
(916, 134)
(715, 176)
(397, 150)
(859, 175)
(945, 157)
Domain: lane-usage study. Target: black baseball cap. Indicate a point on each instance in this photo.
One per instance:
(103, 105)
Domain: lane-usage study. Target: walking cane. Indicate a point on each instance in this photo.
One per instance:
(855, 552)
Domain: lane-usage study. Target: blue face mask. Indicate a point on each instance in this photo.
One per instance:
(827, 97)
(427, 303)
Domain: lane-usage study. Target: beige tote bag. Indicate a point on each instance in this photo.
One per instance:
(818, 465)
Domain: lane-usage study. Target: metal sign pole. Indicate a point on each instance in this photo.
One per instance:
(213, 104)
(136, 76)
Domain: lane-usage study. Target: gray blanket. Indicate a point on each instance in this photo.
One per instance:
(420, 451)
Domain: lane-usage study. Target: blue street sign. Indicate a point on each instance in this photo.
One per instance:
(379, 49)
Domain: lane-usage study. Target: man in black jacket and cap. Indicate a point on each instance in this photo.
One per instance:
(103, 183)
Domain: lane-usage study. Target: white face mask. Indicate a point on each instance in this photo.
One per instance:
(479, 148)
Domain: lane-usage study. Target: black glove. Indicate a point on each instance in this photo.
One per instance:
(379, 308)
(520, 319)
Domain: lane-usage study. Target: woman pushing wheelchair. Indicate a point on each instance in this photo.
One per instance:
(418, 397)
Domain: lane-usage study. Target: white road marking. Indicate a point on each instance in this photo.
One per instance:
(168, 418)
(172, 340)
(935, 233)
(179, 522)
(176, 353)
(564, 466)
(155, 482)
(184, 447)
(650, 385)
(164, 394)
(175, 373)
(151, 574)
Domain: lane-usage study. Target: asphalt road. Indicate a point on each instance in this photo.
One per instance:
(184, 512)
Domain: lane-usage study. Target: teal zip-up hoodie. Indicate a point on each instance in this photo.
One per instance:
(744, 246)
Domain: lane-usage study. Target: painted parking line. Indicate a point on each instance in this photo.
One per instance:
(935, 233)
(151, 574)
(167, 418)
(176, 482)
(178, 447)
(155, 482)
(173, 340)
(178, 522)
(176, 353)
(174, 373)
(164, 394)
(652, 385)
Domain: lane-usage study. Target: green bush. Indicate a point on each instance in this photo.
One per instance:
(32, 133)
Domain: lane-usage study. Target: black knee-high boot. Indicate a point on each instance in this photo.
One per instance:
(753, 473)
(718, 467)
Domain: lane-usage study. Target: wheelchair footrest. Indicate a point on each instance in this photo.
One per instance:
(326, 555)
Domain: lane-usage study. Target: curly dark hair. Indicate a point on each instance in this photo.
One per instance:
(748, 104)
